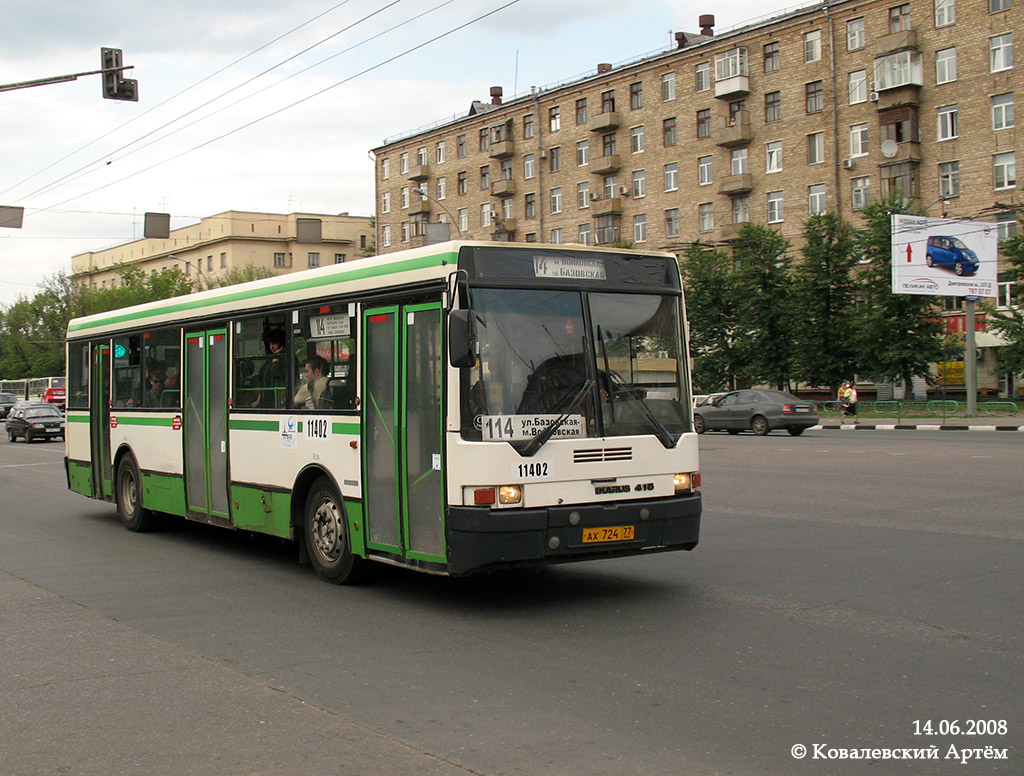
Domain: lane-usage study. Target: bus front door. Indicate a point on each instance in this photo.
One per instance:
(99, 422)
(402, 431)
(206, 426)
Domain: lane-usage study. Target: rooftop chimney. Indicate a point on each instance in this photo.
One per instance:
(604, 67)
(680, 40)
(707, 23)
(496, 93)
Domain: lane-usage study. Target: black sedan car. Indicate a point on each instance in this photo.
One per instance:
(7, 400)
(759, 411)
(35, 421)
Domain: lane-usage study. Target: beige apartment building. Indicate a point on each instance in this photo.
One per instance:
(822, 108)
(233, 240)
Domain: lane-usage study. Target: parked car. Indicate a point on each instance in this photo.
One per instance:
(7, 401)
(704, 398)
(759, 411)
(951, 252)
(34, 421)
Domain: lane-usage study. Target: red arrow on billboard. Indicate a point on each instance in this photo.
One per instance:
(908, 253)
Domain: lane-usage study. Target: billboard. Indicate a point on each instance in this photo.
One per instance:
(943, 256)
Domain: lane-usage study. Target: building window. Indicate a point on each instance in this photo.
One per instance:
(583, 195)
(485, 139)
(816, 199)
(584, 234)
(462, 182)
(772, 107)
(772, 57)
(485, 178)
(554, 119)
(581, 110)
(1006, 226)
(995, 6)
(385, 169)
(1002, 111)
(773, 156)
(582, 153)
(949, 179)
(640, 227)
(855, 34)
(339, 258)
(706, 216)
(672, 177)
(1000, 52)
(556, 200)
(1005, 168)
(947, 123)
(385, 236)
(945, 13)
(702, 75)
(668, 86)
(608, 101)
(485, 214)
(859, 140)
(816, 148)
(815, 96)
(775, 214)
(463, 214)
(812, 46)
(421, 156)
(506, 174)
(902, 131)
(639, 183)
(899, 177)
(899, 18)
(529, 166)
(636, 95)
(608, 144)
(530, 206)
(705, 170)
(611, 186)
(731, 63)
(861, 193)
(738, 160)
(858, 86)
(672, 222)
(313, 259)
(442, 185)
(945, 65)
(899, 69)
(440, 152)
(636, 139)
(668, 132)
(507, 212)
(403, 197)
(704, 123)
(385, 202)
(740, 210)
(528, 126)
(556, 237)
(403, 163)
(555, 159)
(279, 260)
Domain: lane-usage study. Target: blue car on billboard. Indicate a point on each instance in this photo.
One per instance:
(951, 252)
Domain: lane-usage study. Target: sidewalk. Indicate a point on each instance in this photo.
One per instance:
(872, 422)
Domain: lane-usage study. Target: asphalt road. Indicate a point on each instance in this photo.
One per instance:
(847, 589)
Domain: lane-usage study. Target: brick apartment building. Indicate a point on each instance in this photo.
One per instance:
(822, 108)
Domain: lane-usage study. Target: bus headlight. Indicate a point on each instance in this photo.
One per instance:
(510, 494)
(686, 481)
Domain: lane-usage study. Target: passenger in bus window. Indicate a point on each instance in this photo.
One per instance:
(157, 378)
(313, 394)
(272, 374)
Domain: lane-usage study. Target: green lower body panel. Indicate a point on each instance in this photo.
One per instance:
(264, 511)
(80, 477)
(356, 532)
(163, 493)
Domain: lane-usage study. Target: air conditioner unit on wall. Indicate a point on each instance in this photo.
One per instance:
(849, 164)
(623, 191)
(594, 196)
(873, 96)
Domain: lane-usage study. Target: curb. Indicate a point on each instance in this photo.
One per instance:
(914, 427)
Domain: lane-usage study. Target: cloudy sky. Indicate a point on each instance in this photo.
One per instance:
(266, 106)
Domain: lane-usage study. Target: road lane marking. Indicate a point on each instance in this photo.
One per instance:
(19, 465)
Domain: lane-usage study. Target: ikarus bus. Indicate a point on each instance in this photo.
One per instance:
(455, 408)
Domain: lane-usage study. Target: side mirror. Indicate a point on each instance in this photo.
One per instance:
(461, 338)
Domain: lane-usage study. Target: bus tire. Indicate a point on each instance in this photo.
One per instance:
(130, 509)
(327, 539)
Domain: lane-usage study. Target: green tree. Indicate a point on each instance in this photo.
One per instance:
(1010, 322)
(824, 298)
(764, 285)
(236, 275)
(898, 335)
(711, 311)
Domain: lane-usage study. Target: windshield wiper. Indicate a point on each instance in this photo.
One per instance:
(535, 444)
(663, 434)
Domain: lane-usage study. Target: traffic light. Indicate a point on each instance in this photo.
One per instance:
(114, 86)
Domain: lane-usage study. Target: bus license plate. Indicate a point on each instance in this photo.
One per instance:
(614, 533)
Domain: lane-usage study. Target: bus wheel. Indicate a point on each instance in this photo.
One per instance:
(326, 535)
(129, 498)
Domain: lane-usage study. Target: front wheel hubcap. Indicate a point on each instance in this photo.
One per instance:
(325, 531)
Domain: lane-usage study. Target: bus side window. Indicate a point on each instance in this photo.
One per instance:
(162, 351)
(261, 359)
(128, 383)
(78, 376)
(328, 331)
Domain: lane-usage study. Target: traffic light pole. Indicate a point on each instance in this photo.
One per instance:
(114, 86)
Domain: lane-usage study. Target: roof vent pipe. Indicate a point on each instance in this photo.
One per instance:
(707, 24)
(496, 93)
(680, 40)
(604, 67)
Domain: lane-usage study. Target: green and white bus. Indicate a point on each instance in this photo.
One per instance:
(455, 408)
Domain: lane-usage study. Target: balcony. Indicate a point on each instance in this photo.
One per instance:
(605, 164)
(603, 122)
(503, 188)
(905, 152)
(736, 131)
(419, 173)
(899, 97)
(502, 149)
(732, 185)
(418, 205)
(606, 207)
(731, 231)
(735, 86)
(897, 41)
(504, 228)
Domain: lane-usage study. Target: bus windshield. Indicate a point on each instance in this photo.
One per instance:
(539, 362)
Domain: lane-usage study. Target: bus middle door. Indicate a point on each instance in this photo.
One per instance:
(402, 431)
(206, 426)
